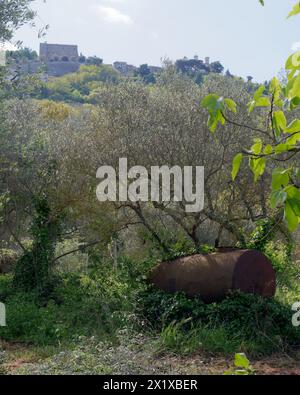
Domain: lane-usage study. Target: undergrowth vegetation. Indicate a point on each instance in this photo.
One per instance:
(106, 300)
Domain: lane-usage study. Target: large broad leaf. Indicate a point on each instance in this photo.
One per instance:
(294, 91)
(279, 121)
(216, 107)
(275, 89)
(210, 102)
(258, 167)
(280, 179)
(283, 148)
(293, 127)
(259, 100)
(231, 105)
(293, 140)
(268, 150)
(292, 207)
(237, 161)
(278, 198)
(293, 63)
(291, 216)
(259, 92)
(257, 146)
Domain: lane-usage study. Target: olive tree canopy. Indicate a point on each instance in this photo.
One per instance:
(13, 15)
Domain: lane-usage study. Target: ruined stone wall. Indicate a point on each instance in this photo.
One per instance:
(51, 69)
(58, 69)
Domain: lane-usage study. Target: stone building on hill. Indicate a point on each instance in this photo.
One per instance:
(125, 68)
(58, 53)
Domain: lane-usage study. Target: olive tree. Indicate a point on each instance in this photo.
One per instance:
(13, 15)
(164, 125)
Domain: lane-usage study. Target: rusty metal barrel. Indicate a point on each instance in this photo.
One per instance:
(213, 276)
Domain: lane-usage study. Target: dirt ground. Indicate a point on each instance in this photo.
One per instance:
(25, 360)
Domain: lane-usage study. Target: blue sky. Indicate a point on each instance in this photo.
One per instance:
(246, 38)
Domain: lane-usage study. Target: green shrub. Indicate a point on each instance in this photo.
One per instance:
(99, 303)
(8, 259)
(5, 287)
(27, 322)
(280, 253)
(242, 322)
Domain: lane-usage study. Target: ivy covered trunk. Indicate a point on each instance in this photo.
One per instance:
(33, 270)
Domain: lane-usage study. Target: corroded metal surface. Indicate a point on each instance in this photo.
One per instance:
(212, 276)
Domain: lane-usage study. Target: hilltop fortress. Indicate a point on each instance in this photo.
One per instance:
(58, 53)
(56, 60)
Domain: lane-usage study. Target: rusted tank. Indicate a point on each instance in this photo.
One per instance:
(213, 276)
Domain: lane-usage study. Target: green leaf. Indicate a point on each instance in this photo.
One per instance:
(295, 102)
(292, 207)
(241, 361)
(295, 10)
(258, 99)
(293, 127)
(293, 194)
(215, 106)
(251, 107)
(275, 89)
(231, 105)
(210, 102)
(283, 148)
(280, 179)
(279, 121)
(263, 102)
(268, 150)
(291, 217)
(241, 372)
(259, 92)
(257, 147)
(278, 198)
(294, 90)
(292, 63)
(293, 140)
(258, 167)
(215, 117)
(237, 161)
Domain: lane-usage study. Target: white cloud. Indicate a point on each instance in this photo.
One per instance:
(112, 15)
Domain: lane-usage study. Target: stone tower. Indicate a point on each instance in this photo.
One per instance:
(58, 53)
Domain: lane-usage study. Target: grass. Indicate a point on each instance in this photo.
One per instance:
(198, 338)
